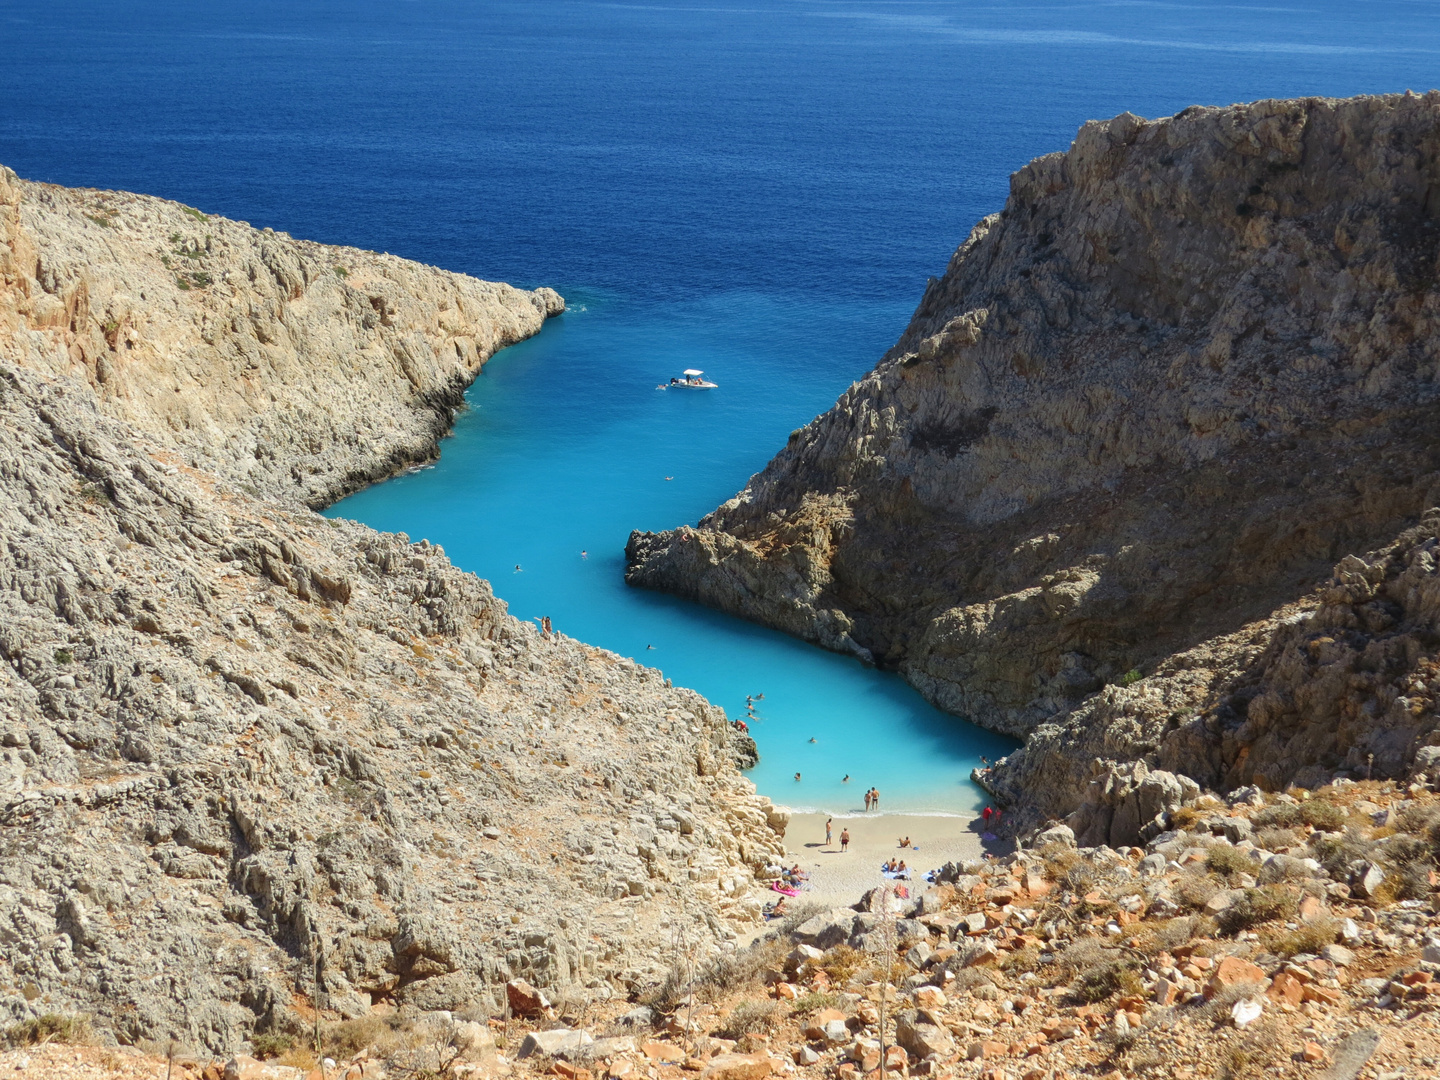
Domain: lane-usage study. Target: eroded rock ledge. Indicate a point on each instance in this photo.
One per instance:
(240, 743)
(1187, 370)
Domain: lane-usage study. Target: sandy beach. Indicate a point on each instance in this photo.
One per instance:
(840, 879)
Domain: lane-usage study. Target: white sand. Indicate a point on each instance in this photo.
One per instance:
(839, 879)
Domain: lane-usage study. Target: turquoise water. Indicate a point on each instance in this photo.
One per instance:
(567, 446)
(756, 189)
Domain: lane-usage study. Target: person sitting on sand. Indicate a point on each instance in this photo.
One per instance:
(902, 868)
(778, 909)
(890, 867)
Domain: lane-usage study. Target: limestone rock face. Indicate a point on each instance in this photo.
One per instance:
(1346, 678)
(297, 369)
(1186, 370)
(240, 743)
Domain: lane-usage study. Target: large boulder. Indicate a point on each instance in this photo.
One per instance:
(557, 1042)
(920, 1038)
(826, 930)
(1128, 804)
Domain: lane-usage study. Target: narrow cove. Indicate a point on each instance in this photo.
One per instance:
(567, 445)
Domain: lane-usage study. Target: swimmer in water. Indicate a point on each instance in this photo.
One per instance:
(845, 779)
(797, 776)
(584, 554)
(813, 739)
(649, 646)
(517, 568)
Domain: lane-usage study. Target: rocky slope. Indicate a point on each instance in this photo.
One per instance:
(299, 370)
(1189, 368)
(251, 758)
(1297, 939)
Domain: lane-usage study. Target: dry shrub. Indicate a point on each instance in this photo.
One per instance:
(1306, 938)
(806, 1004)
(1021, 960)
(1275, 839)
(428, 1050)
(1424, 822)
(1184, 817)
(1169, 934)
(1105, 980)
(843, 963)
(1261, 905)
(51, 1027)
(1194, 889)
(1058, 860)
(1080, 878)
(973, 978)
(751, 1018)
(299, 1057)
(1099, 972)
(726, 973)
(1228, 862)
(1410, 857)
(1323, 815)
(347, 1038)
(1337, 851)
(1279, 816)
(1252, 1054)
(665, 997)
(271, 1044)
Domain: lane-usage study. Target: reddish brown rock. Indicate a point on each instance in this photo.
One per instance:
(737, 1067)
(1232, 972)
(524, 999)
(1286, 988)
(1322, 994)
(662, 1051)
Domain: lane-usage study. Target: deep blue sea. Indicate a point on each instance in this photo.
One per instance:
(756, 189)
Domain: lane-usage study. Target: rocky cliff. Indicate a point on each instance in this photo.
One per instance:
(253, 760)
(296, 369)
(1187, 369)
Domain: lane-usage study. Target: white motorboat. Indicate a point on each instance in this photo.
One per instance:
(690, 379)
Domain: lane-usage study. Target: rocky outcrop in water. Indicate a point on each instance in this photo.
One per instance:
(1187, 370)
(252, 760)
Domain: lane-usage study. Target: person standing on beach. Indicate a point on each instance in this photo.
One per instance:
(987, 813)
(827, 831)
(867, 800)
(875, 798)
(844, 840)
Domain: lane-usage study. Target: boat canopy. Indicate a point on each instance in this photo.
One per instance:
(692, 372)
